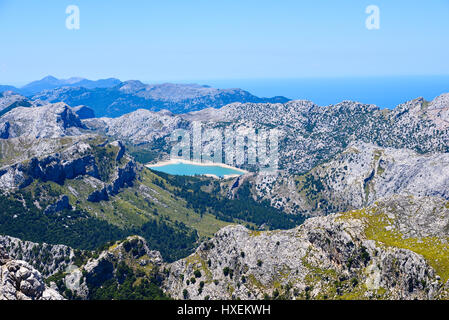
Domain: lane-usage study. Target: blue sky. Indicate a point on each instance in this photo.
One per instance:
(207, 39)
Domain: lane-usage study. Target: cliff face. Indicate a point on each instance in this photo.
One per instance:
(75, 161)
(395, 249)
(20, 281)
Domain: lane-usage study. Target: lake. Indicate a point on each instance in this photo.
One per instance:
(192, 169)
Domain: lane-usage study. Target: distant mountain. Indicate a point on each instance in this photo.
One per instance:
(132, 95)
(50, 82)
(113, 98)
(8, 88)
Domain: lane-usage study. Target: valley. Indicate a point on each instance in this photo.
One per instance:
(97, 209)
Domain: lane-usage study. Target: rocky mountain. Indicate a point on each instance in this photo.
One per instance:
(49, 121)
(20, 281)
(395, 249)
(132, 95)
(310, 134)
(357, 177)
(47, 259)
(5, 88)
(10, 100)
(116, 270)
(81, 211)
(141, 126)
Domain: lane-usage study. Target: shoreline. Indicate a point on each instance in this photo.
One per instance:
(203, 164)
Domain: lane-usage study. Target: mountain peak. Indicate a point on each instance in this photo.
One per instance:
(440, 102)
(49, 77)
(131, 85)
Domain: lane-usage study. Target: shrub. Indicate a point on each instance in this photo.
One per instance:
(197, 273)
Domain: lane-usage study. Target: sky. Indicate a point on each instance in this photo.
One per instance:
(186, 40)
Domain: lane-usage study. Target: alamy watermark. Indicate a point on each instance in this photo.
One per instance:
(233, 147)
(372, 22)
(72, 21)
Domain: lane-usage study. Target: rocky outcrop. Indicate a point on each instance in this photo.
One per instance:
(20, 281)
(133, 252)
(74, 161)
(140, 126)
(50, 121)
(79, 158)
(48, 259)
(387, 251)
(123, 177)
(10, 100)
(4, 130)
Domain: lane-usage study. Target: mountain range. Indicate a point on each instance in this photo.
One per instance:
(358, 208)
(113, 98)
(50, 82)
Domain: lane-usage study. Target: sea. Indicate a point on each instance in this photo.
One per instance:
(384, 92)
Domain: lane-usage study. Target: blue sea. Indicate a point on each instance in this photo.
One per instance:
(385, 92)
(185, 169)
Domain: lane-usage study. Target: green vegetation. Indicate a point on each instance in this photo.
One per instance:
(128, 285)
(197, 273)
(142, 153)
(434, 250)
(242, 209)
(311, 187)
(72, 228)
(20, 217)
(171, 212)
(105, 156)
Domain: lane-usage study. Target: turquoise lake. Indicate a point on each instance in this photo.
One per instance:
(187, 169)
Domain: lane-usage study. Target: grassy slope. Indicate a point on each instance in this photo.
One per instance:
(136, 205)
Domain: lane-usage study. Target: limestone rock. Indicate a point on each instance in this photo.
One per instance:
(20, 281)
(329, 257)
(50, 121)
